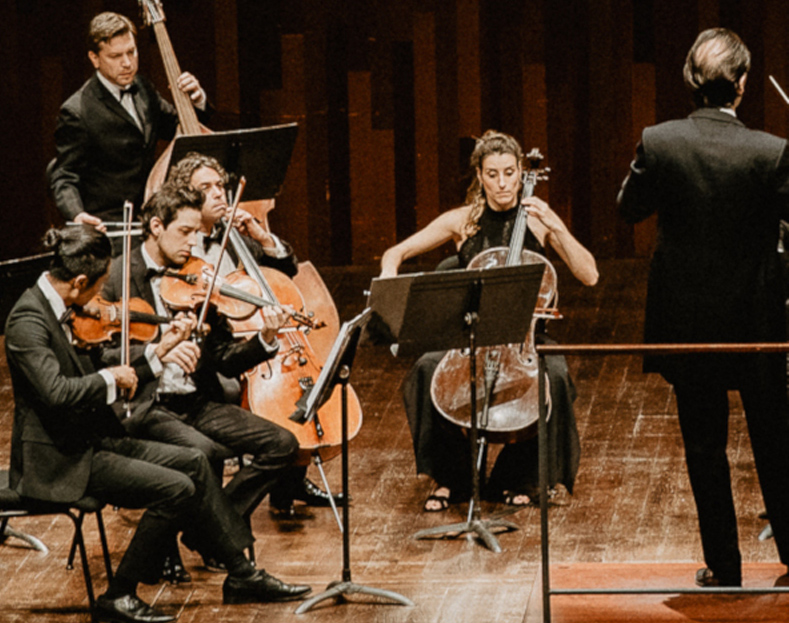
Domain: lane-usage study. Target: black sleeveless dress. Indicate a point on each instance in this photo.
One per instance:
(442, 450)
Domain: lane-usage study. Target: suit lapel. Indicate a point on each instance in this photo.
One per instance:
(141, 285)
(60, 343)
(111, 102)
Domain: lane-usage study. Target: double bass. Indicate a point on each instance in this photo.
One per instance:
(510, 409)
(273, 388)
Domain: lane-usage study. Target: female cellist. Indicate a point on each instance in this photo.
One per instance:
(486, 221)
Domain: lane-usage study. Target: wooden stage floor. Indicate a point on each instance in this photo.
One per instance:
(632, 508)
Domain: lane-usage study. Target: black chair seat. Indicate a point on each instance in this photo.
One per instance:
(14, 505)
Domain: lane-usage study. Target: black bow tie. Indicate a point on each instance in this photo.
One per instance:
(215, 237)
(150, 273)
(130, 90)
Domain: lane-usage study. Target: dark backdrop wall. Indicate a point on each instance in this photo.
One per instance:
(388, 96)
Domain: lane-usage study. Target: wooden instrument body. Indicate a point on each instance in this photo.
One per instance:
(513, 409)
(274, 387)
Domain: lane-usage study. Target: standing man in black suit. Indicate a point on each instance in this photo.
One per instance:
(107, 131)
(719, 190)
(67, 443)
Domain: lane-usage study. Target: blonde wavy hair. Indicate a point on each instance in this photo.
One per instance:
(492, 142)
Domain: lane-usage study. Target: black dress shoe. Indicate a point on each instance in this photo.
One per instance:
(128, 609)
(214, 566)
(260, 587)
(313, 495)
(707, 578)
(173, 571)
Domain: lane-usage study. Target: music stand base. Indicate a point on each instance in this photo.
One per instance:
(339, 590)
(480, 527)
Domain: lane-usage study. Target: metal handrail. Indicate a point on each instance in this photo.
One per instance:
(621, 349)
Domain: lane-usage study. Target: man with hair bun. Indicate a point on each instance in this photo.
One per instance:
(67, 442)
(720, 190)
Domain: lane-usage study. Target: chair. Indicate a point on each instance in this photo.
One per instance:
(13, 505)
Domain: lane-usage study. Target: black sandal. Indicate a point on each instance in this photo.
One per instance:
(509, 498)
(443, 503)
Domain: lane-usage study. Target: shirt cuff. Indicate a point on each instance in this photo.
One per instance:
(272, 348)
(112, 388)
(278, 251)
(201, 103)
(153, 360)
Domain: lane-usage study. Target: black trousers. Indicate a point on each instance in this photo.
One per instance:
(442, 451)
(180, 492)
(214, 428)
(703, 409)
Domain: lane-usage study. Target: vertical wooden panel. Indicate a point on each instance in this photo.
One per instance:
(426, 118)
(372, 175)
(566, 71)
(610, 54)
(776, 27)
(643, 107)
(225, 29)
(449, 100)
(404, 138)
(535, 119)
(469, 79)
(287, 105)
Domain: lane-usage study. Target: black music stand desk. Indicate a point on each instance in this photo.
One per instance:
(455, 310)
(261, 155)
(337, 370)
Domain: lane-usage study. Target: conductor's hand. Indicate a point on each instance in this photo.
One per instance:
(191, 86)
(180, 329)
(89, 219)
(125, 378)
(274, 318)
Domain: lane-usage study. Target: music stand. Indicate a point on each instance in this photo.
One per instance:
(337, 370)
(454, 310)
(261, 155)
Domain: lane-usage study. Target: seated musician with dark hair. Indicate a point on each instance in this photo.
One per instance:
(184, 404)
(488, 220)
(67, 443)
(207, 175)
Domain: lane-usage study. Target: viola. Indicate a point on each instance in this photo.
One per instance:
(511, 410)
(99, 320)
(236, 296)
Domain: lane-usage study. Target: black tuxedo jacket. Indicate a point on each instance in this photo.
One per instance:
(221, 352)
(719, 190)
(60, 405)
(103, 159)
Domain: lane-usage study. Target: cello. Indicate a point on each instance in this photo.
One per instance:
(510, 410)
(275, 387)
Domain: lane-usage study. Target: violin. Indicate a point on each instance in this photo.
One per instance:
(511, 408)
(99, 320)
(236, 296)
